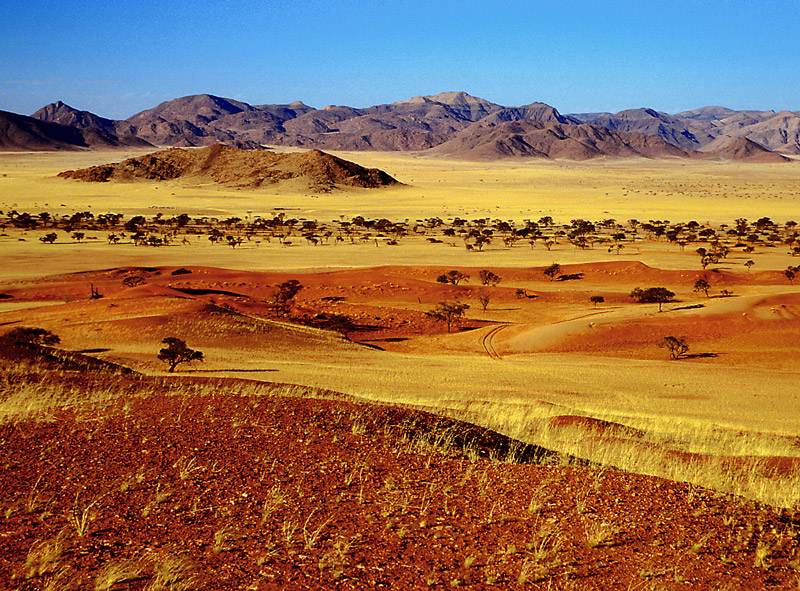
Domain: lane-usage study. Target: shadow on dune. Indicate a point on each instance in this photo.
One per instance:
(228, 370)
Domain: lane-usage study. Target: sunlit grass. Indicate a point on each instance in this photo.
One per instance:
(693, 451)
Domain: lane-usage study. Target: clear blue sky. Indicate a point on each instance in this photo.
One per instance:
(118, 57)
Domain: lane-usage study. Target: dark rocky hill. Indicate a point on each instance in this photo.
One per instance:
(92, 125)
(698, 128)
(486, 141)
(19, 133)
(242, 168)
(742, 149)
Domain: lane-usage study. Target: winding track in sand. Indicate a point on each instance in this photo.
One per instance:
(487, 341)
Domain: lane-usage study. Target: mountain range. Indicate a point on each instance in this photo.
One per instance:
(450, 123)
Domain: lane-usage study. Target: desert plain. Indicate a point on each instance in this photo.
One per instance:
(711, 436)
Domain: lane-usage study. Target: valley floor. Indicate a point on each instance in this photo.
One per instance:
(218, 474)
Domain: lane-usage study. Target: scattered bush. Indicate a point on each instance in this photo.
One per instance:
(284, 294)
(488, 278)
(702, 285)
(448, 312)
(676, 346)
(452, 277)
(652, 295)
(24, 335)
(552, 271)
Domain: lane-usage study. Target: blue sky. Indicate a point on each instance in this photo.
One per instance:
(118, 58)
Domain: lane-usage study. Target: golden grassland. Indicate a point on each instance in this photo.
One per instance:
(673, 189)
(710, 409)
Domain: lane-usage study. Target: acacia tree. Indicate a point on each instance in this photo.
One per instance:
(652, 295)
(482, 240)
(552, 271)
(702, 285)
(448, 312)
(597, 299)
(453, 277)
(676, 346)
(24, 335)
(484, 300)
(488, 278)
(283, 295)
(176, 352)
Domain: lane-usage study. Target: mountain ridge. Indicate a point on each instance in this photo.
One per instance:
(63, 114)
(415, 124)
(526, 138)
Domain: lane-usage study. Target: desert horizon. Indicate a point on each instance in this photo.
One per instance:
(399, 296)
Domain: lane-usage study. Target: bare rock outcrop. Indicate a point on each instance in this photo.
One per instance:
(236, 167)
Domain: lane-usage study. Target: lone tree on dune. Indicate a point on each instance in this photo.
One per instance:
(488, 278)
(652, 295)
(552, 271)
(49, 238)
(677, 346)
(448, 312)
(597, 299)
(702, 285)
(484, 300)
(176, 352)
(790, 273)
(284, 294)
(453, 277)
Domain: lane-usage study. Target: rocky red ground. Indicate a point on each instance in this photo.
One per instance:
(187, 483)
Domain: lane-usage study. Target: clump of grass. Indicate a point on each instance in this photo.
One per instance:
(172, 573)
(118, 572)
(32, 502)
(544, 548)
(187, 468)
(310, 536)
(160, 496)
(80, 519)
(697, 547)
(600, 533)
(335, 559)
(44, 557)
(225, 536)
(275, 499)
(762, 554)
(288, 531)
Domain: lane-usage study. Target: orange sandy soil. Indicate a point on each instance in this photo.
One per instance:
(186, 489)
(758, 325)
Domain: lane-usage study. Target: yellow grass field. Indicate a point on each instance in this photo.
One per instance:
(673, 189)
